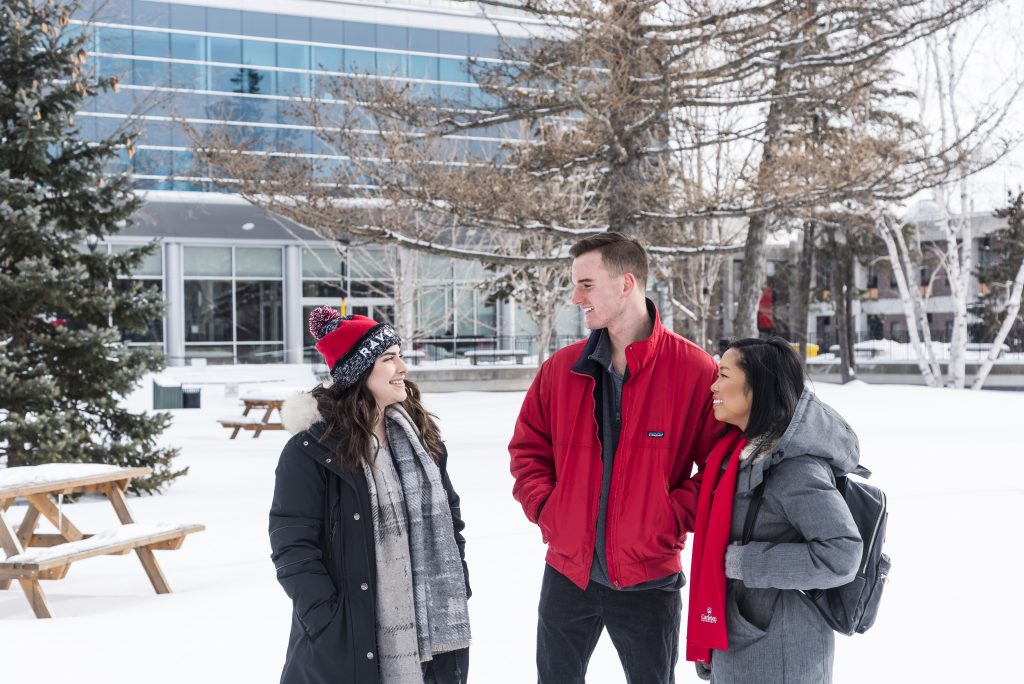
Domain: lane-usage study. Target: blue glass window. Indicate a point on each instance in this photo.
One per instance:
(226, 50)
(188, 17)
(115, 66)
(423, 67)
(153, 162)
(392, 37)
(452, 43)
(223, 21)
(294, 56)
(182, 163)
(326, 31)
(188, 47)
(423, 40)
(325, 86)
(154, 14)
(391, 64)
(292, 28)
(292, 84)
(259, 24)
(115, 41)
(327, 58)
(457, 95)
(259, 52)
(155, 74)
(453, 70)
(360, 62)
(358, 33)
(152, 44)
(188, 76)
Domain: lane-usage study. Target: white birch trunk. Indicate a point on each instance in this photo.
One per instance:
(900, 266)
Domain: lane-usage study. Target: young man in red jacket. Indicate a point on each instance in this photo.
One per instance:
(603, 457)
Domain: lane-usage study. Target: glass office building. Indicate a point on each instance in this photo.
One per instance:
(238, 284)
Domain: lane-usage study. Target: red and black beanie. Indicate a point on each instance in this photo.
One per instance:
(349, 344)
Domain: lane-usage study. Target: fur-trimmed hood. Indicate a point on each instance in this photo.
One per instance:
(299, 412)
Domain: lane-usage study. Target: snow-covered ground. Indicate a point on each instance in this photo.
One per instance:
(950, 462)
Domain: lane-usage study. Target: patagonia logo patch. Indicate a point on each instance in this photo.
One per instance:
(658, 435)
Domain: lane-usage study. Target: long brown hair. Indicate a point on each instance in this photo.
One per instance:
(349, 415)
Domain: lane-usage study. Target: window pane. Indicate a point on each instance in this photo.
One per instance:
(155, 330)
(259, 52)
(433, 313)
(152, 265)
(293, 56)
(391, 64)
(327, 58)
(151, 73)
(368, 262)
(153, 163)
(360, 62)
(207, 310)
(226, 50)
(423, 67)
(115, 40)
(320, 263)
(188, 76)
(188, 47)
(453, 70)
(292, 84)
(115, 66)
(371, 288)
(259, 310)
(258, 261)
(152, 43)
(207, 261)
(260, 353)
(322, 288)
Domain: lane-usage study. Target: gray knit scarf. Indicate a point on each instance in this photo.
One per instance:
(421, 590)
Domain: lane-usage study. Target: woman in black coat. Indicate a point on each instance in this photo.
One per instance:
(365, 526)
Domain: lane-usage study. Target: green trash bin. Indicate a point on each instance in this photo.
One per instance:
(167, 397)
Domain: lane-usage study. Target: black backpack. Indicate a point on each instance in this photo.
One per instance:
(852, 607)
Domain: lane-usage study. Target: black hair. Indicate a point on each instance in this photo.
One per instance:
(775, 378)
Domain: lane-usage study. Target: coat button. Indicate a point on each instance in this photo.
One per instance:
(305, 444)
(364, 586)
(355, 516)
(369, 655)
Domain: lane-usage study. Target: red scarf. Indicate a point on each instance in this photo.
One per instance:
(705, 621)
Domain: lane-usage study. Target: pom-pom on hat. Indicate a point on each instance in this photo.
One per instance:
(349, 344)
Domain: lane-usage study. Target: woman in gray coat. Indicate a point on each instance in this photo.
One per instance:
(804, 536)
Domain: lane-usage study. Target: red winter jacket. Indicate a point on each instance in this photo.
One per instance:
(667, 427)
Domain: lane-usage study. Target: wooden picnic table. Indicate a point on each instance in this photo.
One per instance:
(30, 556)
(269, 402)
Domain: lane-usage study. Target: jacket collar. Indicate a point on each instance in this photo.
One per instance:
(638, 355)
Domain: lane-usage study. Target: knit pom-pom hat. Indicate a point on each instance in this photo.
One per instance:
(349, 344)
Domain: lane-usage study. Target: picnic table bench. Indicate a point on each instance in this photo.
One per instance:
(269, 401)
(474, 356)
(30, 556)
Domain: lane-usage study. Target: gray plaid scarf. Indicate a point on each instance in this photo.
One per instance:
(421, 590)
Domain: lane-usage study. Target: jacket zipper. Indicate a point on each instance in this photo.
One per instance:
(593, 386)
(622, 421)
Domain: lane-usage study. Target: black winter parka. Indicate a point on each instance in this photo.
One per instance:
(321, 536)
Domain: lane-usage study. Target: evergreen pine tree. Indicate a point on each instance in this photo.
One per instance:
(64, 365)
(1004, 248)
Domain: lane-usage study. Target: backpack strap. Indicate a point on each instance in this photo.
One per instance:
(752, 510)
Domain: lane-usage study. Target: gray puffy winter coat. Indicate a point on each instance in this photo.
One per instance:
(804, 538)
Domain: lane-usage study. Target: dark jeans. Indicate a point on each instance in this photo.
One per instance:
(643, 626)
(447, 668)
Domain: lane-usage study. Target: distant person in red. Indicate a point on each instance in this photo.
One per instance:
(603, 457)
